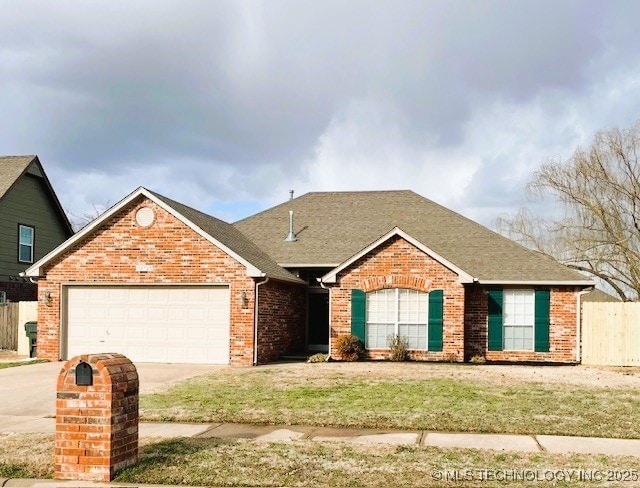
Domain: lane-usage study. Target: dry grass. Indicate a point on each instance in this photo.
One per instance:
(437, 397)
(26, 456)
(214, 462)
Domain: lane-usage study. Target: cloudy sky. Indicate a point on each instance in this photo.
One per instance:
(226, 105)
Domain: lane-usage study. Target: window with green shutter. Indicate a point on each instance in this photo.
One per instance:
(412, 314)
(542, 313)
(358, 313)
(494, 342)
(436, 321)
(518, 320)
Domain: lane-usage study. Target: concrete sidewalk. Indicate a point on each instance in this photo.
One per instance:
(276, 433)
(288, 433)
(37, 483)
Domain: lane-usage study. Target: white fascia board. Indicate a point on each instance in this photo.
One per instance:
(538, 282)
(35, 269)
(463, 275)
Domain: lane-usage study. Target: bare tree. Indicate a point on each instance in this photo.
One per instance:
(78, 221)
(598, 191)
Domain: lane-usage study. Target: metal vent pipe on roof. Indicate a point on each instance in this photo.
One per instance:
(291, 237)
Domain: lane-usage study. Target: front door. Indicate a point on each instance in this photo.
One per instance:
(318, 321)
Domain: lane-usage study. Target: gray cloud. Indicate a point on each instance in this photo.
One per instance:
(211, 102)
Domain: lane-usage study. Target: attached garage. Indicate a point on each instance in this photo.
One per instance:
(158, 281)
(173, 324)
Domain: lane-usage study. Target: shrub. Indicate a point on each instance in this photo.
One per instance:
(478, 359)
(398, 348)
(318, 358)
(349, 347)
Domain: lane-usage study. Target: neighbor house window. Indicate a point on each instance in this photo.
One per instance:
(25, 243)
(396, 311)
(518, 319)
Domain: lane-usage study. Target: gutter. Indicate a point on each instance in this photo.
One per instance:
(255, 320)
(579, 322)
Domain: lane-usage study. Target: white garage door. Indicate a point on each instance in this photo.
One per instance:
(180, 324)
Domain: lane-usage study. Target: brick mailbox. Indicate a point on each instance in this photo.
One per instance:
(96, 417)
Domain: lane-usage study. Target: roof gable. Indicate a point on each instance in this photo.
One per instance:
(219, 233)
(331, 276)
(331, 227)
(12, 168)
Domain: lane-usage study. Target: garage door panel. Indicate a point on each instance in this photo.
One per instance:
(117, 313)
(156, 314)
(136, 332)
(150, 324)
(156, 333)
(175, 333)
(174, 314)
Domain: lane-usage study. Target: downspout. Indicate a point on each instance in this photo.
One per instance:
(329, 289)
(255, 321)
(579, 322)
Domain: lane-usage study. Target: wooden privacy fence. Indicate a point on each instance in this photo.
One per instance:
(12, 319)
(9, 326)
(611, 333)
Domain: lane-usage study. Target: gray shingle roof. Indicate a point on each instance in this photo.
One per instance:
(231, 237)
(11, 168)
(597, 295)
(331, 227)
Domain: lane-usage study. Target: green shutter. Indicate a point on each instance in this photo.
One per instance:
(542, 306)
(494, 312)
(436, 309)
(358, 313)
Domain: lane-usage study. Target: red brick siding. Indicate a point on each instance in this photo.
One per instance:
(562, 330)
(280, 320)
(178, 255)
(97, 425)
(399, 264)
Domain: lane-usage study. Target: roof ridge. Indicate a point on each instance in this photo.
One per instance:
(310, 193)
(335, 225)
(18, 156)
(356, 191)
(269, 209)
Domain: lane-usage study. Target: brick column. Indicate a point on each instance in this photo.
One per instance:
(97, 424)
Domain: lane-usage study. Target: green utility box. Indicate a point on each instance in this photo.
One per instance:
(31, 328)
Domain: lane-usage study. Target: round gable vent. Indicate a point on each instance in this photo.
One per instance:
(145, 217)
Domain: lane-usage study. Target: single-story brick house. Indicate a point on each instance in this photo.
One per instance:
(159, 281)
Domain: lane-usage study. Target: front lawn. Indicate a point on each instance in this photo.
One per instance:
(214, 462)
(434, 397)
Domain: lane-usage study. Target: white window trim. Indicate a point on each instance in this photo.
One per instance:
(396, 325)
(533, 326)
(31, 244)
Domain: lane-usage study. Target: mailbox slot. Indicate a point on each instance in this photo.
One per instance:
(84, 374)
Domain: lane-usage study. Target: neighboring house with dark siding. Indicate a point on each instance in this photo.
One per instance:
(32, 222)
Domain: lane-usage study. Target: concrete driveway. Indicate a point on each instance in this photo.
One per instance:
(30, 391)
